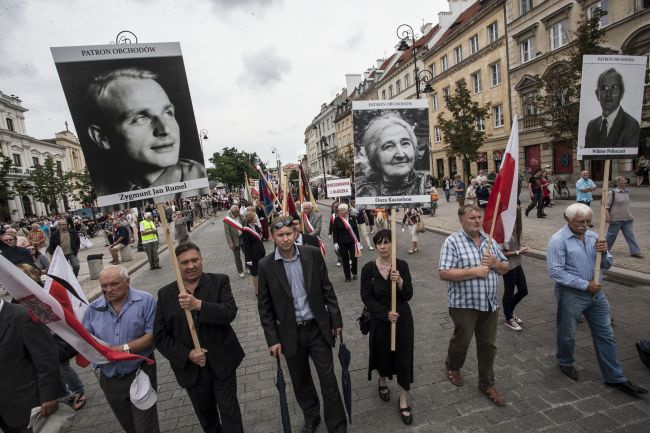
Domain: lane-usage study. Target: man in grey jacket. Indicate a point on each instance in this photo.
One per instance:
(315, 219)
(232, 225)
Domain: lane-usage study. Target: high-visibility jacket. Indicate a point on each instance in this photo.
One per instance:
(147, 225)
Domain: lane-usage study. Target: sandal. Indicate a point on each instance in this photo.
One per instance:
(384, 393)
(455, 377)
(79, 401)
(411, 251)
(494, 396)
(407, 418)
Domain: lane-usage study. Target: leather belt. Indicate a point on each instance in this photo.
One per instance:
(304, 323)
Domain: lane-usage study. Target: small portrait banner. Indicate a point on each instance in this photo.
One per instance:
(339, 188)
(611, 98)
(391, 154)
(132, 110)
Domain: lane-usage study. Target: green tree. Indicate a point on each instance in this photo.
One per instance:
(230, 165)
(557, 101)
(460, 133)
(83, 189)
(343, 162)
(48, 185)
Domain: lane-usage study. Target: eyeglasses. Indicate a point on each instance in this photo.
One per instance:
(282, 222)
(613, 89)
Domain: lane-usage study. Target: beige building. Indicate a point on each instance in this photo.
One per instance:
(472, 48)
(539, 38)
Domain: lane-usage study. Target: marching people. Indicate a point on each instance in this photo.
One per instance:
(536, 197)
(124, 319)
(120, 241)
(69, 241)
(263, 219)
(571, 258)
(370, 215)
(300, 316)
(252, 246)
(208, 374)
(619, 217)
(149, 236)
(515, 277)
(345, 235)
(302, 238)
(333, 214)
(180, 228)
(315, 219)
(471, 268)
(376, 278)
(232, 226)
(362, 224)
(412, 217)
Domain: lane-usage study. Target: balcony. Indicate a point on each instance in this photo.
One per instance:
(20, 171)
(530, 122)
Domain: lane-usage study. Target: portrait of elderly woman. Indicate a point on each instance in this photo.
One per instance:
(385, 163)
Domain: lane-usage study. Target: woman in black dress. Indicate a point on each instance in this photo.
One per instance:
(252, 245)
(376, 277)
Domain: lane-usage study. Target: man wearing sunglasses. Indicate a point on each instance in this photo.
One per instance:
(300, 316)
(614, 128)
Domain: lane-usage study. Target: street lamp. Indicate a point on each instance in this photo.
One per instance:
(323, 143)
(404, 33)
(203, 135)
(274, 151)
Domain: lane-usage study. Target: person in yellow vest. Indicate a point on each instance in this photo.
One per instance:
(149, 235)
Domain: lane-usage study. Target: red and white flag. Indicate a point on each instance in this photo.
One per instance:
(506, 183)
(42, 305)
(60, 271)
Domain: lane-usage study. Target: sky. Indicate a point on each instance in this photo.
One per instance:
(258, 70)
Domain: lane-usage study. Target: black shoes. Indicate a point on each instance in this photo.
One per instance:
(645, 356)
(310, 427)
(570, 371)
(354, 277)
(384, 393)
(406, 419)
(527, 212)
(628, 387)
(347, 280)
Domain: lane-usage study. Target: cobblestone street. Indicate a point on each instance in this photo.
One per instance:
(540, 397)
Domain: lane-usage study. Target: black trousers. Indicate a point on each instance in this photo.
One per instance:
(347, 254)
(312, 344)
(6, 429)
(132, 419)
(212, 397)
(536, 201)
(511, 279)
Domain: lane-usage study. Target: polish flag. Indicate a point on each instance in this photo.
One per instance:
(506, 184)
(54, 307)
(61, 272)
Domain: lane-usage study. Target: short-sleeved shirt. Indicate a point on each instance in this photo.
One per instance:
(135, 319)
(582, 184)
(122, 232)
(460, 189)
(459, 251)
(535, 183)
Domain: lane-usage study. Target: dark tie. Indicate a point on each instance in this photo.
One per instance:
(602, 140)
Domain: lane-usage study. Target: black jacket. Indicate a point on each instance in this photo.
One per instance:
(275, 302)
(340, 233)
(30, 365)
(253, 248)
(55, 241)
(16, 255)
(172, 333)
(310, 240)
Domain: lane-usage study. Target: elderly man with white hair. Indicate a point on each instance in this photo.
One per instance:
(571, 256)
(345, 234)
(149, 236)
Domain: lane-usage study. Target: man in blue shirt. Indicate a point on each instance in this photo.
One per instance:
(121, 240)
(584, 188)
(571, 255)
(123, 318)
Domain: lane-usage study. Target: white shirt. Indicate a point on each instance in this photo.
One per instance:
(610, 118)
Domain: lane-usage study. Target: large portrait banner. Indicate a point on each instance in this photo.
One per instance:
(611, 98)
(132, 110)
(391, 155)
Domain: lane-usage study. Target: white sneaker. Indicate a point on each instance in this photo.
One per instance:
(517, 319)
(242, 275)
(513, 325)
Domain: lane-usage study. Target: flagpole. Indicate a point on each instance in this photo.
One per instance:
(494, 220)
(601, 223)
(301, 197)
(393, 284)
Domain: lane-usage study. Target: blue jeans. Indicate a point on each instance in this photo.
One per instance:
(71, 381)
(74, 263)
(628, 233)
(571, 304)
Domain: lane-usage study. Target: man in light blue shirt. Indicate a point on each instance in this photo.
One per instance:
(584, 188)
(123, 318)
(571, 255)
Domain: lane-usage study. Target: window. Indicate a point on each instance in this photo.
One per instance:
(437, 137)
(458, 54)
(558, 34)
(476, 82)
(525, 6)
(17, 161)
(497, 115)
(495, 74)
(530, 108)
(526, 50)
(10, 124)
(390, 91)
(602, 5)
(444, 63)
(433, 69)
(383, 94)
(35, 161)
(480, 124)
(59, 168)
(493, 32)
(473, 44)
(407, 81)
(446, 92)
(434, 96)
(398, 86)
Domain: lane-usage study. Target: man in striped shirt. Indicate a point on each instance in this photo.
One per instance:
(472, 271)
(571, 256)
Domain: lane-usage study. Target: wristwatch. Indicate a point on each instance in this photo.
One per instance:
(126, 348)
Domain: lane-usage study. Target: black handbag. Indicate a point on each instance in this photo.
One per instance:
(364, 321)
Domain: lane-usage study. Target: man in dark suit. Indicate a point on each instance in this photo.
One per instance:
(68, 239)
(302, 238)
(30, 366)
(300, 316)
(614, 128)
(208, 374)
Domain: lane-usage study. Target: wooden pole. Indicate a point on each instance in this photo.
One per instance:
(179, 278)
(488, 248)
(601, 223)
(393, 284)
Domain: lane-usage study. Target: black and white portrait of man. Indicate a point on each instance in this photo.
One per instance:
(391, 155)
